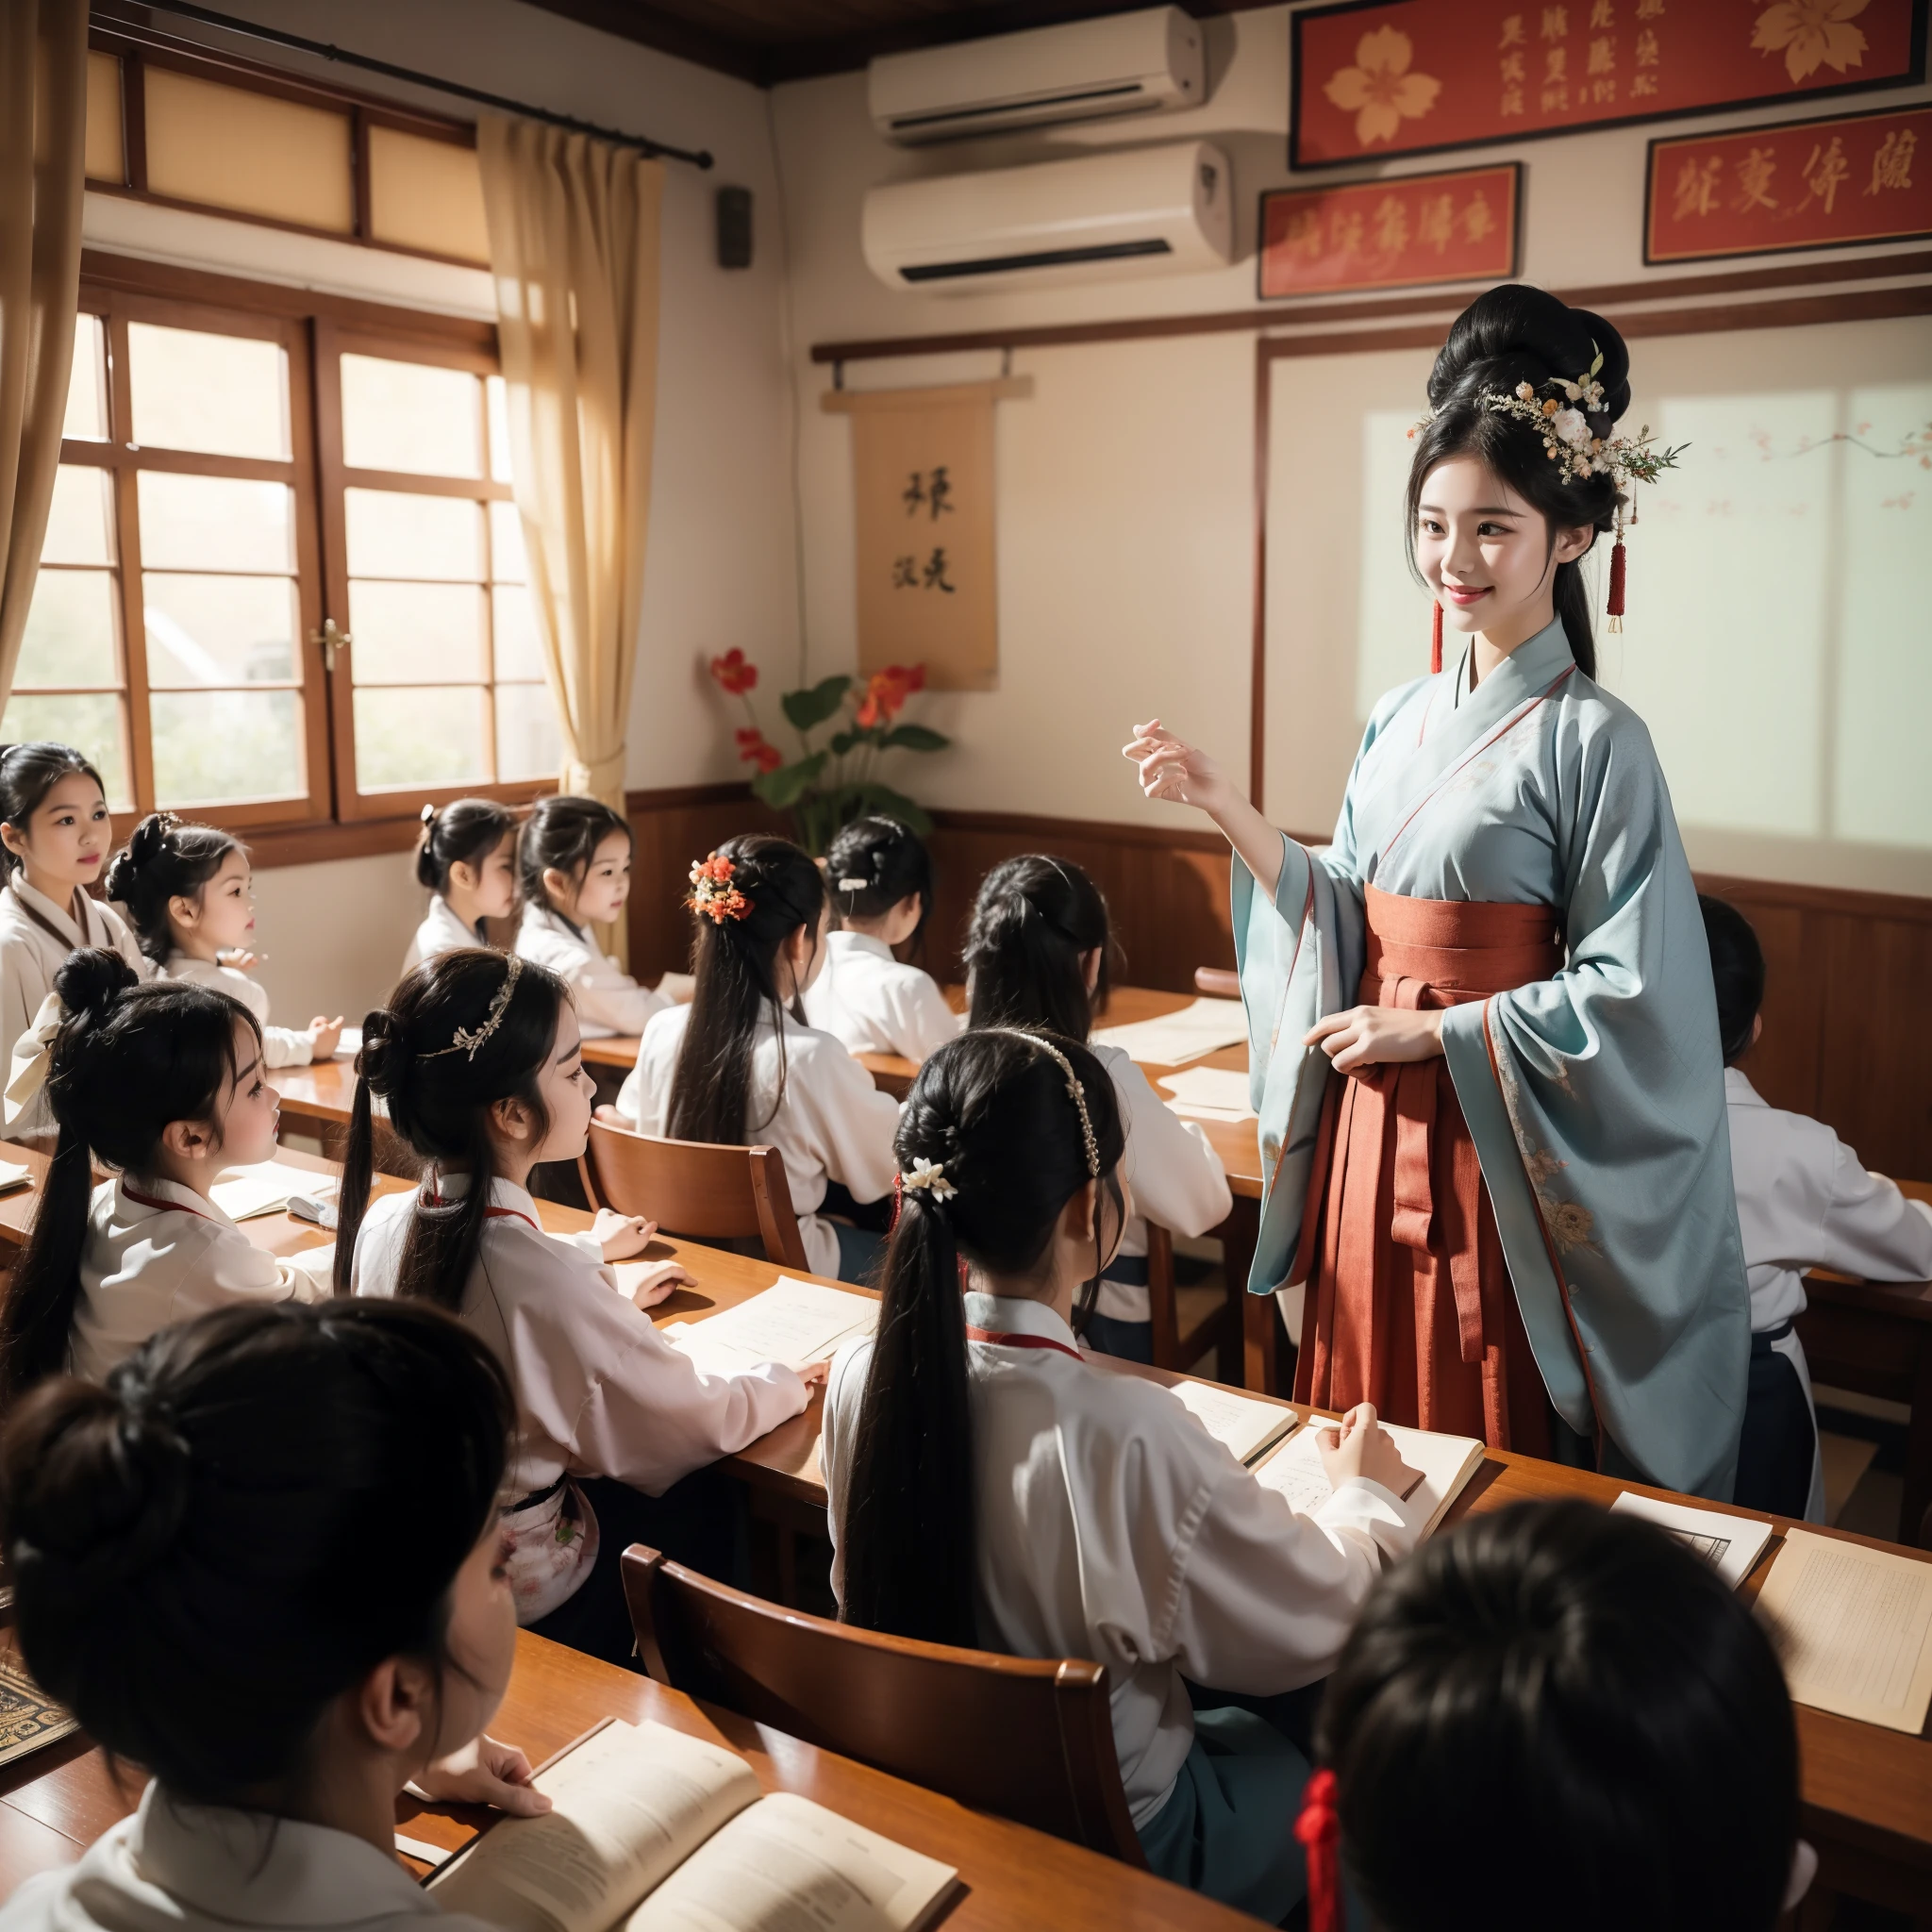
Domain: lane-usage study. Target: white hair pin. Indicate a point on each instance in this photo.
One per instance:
(930, 1175)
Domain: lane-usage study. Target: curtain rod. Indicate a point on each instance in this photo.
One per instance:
(698, 158)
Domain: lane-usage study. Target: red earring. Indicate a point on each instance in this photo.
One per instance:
(1436, 637)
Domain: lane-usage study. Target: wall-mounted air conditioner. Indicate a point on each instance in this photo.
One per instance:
(1134, 64)
(1104, 217)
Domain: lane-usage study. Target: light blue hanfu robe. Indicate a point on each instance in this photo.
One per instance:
(1596, 1098)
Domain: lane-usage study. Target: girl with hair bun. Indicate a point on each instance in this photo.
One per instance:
(991, 1487)
(262, 1563)
(189, 892)
(477, 1058)
(163, 1084)
(55, 837)
(1513, 1218)
(467, 860)
(741, 1067)
(880, 879)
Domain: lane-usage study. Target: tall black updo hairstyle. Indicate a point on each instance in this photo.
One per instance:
(440, 1102)
(164, 858)
(27, 772)
(259, 1509)
(129, 1058)
(873, 865)
(1518, 334)
(993, 1108)
(735, 963)
(1585, 1675)
(466, 832)
(563, 835)
(1033, 924)
(1737, 972)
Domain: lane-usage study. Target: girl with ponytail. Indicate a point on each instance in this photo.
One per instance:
(163, 1084)
(740, 1066)
(989, 1487)
(1482, 1035)
(477, 1060)
(467, 860)
(262, 1564)
(1038, 954)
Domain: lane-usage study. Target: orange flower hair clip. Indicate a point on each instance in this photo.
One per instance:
(712, 893)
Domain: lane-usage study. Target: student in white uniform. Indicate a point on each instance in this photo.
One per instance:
(1805, 1201)
(880, 878)
(477, 1058)
(740, 1066)
(263, 1564)
(467, 859)
(1556, 1715)
(163, 1084)
(55, 837)
(989, 1485)
(189, 894)
(574, 863)
(1038, 954)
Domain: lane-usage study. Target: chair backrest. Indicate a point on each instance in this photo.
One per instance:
(694, 1188)
(1218, 982)
(1029, 1739)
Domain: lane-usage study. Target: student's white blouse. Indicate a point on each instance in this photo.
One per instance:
(30, 957)
(157, 1252)
(599, 1392)
(832, 1124)
(610, 1000)
(179, 1868)
(1177, 1178)
(1804, 1200)
(873, 1002)
(281, 1046)
(442, 932)
(1112, 1525)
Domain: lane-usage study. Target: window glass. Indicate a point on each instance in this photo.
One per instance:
(411, 737)
(215, 523)
(220, 630)
(79, 523)
(517, 652)
(416, 633)
(392, 535)
(87, 382)
(213, 746)
(89, 720)
(70, 634)
(226, 396)
(412, 416)
(529, 745)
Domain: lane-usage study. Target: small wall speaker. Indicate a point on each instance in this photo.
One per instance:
(734, 228)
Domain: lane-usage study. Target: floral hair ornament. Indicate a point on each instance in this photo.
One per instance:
(469, 1039)
(929, 1177)
(713, 893)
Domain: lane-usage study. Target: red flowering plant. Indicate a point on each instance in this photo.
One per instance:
(826, 784)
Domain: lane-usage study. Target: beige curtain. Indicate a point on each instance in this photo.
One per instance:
(42, 144)
(574, 250)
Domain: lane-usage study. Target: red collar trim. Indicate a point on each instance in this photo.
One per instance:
(488, 1213)
(177, 1207)
(1001, 1338)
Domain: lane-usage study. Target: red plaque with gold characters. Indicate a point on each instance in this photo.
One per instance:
(1406, 233)
(1416, 76)
(1796, 184)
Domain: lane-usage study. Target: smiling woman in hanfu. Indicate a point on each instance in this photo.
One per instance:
(1535, 1091)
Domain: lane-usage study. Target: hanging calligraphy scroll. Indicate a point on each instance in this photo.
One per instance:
(1416, 76)
(923, 482)
(1796, 184)
(1407, 232)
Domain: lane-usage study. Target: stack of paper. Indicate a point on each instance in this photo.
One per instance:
(1209, 1093)
(796, 1322)
(14, 1175)
(350, 1045)
(1443, 1465)
(243, 1193)
(1732, 1544)
(1245, 1425)
(1203, 1027)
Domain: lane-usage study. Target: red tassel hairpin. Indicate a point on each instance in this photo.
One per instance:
(1319, 1831)
(1434, 638)
(1613, 607)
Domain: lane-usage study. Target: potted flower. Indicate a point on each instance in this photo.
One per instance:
(826, 784)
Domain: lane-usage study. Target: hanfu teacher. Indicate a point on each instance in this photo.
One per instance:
(1484, 1041)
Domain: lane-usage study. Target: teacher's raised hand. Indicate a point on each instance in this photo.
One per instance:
(1183, 774)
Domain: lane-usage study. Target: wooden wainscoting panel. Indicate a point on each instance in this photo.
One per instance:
(1875, 1078)
(668, 829)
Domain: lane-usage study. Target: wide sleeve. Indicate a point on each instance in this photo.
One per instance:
(232, 1269)
(849, 1123)
(1177, 1178)
(609, 996)
(921, 1021)
(1871, 1228)
(283, 1046)
(1596, 1101)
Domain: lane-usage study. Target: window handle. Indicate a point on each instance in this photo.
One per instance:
(333, 639)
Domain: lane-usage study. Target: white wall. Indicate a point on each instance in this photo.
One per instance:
(1126, 482)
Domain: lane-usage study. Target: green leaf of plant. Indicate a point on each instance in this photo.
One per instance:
(781, 790)
(815, 703)
(915, 738)
(842, 741)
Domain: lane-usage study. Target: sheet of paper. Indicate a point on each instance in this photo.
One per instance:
(1856, 1628)
(1444, 1463)
(793, 1322)
(787, 1863)
(13, 1174)
(1216, 1093)
(350, 1045)
(243, 1192)
(1733, 1543)
(1204, 1026)
(631, 1805)
(1245, 1425)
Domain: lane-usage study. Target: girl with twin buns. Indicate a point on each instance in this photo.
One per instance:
(467, 862)
(1482, 1033)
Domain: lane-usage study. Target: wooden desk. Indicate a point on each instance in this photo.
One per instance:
(1012, 1875)
(619, 1051)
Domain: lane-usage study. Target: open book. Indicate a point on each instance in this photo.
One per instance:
(1446, 1463)
(1245, 1425)
(658, 1832)
(266, 1187)
(796, 1322)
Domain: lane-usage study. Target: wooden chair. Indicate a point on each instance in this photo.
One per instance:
(1026, 1739)
(693, 1189)
(1218, 1328)
(1218, 982)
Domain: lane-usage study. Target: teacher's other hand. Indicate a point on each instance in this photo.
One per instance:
(1373, 1035)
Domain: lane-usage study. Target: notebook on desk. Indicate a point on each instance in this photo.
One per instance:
(1248, 1428)
(1443, 1465)
(655, 1831)
(796, 1322)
